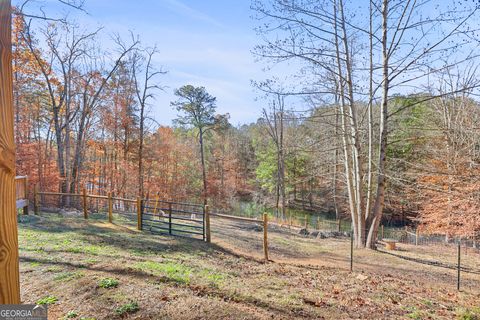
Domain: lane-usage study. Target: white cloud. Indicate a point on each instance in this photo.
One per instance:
(188, 11)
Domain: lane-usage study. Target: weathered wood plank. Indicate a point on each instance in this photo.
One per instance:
(226, 216)
(265, 236)
(21, 187)
(9, 268)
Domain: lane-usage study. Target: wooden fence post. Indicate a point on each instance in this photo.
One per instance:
(25, 187)
(9, 267)
(169, 218)
(351, 251)
(110, 207)
(383, 236)
(207, 224)
(156, 205)
(84, 198)
(339, 227)
(265, 235)
(458, 266)
(306, 222)
(139, 213)
(35, 199)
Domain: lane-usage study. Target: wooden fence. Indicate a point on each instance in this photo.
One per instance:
(174, 218)
(263, 222)
(158, 216)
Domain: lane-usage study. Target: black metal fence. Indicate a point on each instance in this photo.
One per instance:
(173, 218)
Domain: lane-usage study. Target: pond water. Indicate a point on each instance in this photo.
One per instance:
(314, 220)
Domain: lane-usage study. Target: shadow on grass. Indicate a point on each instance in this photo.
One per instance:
(198, 290)
(98, 233)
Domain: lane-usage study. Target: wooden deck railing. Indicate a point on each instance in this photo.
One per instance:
(21, 193)
(21, 187)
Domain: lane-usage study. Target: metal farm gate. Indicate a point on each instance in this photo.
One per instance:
(174, 218)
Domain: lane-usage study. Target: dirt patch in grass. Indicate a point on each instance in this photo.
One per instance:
(162, 277)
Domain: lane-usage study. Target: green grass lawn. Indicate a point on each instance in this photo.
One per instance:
(96, 270)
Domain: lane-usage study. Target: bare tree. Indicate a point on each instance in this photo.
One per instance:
(275, 127)
(404, 41)
(70, 62)
(413, 44)
(144, 75)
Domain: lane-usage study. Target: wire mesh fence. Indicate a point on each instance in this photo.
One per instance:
(416, 237)
(96, 207)
(250, 234)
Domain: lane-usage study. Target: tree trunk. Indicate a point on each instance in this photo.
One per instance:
(60, 152)
(355, 138)
(380, 196)
(140, 152)
(67, 145)
(335, 168)
(346, 138)
(294, 178)
(368, 204)
(282, 166)
(204, 171)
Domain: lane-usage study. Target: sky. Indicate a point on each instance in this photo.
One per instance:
(203, 43)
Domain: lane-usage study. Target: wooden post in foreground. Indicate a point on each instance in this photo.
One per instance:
(84, 198)
(383, 236)
(306, 222)
(110, 207)
(265, 236)
(207, 225)
(9, 268)
(139, 213)
(35, 199)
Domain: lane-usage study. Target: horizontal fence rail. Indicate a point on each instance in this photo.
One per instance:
(157, 216)
(193, 220)
(174, 218)
(237, 218)
(182, 219)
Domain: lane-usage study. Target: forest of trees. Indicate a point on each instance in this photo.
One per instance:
(391, 132)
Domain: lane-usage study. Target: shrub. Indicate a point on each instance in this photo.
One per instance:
(467, 314)
(130, 307)
(108, 283)
(47, 300)
(71, 314)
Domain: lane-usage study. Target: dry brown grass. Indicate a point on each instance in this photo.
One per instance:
(176, 278)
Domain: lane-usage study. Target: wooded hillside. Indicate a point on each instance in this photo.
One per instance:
(368, 149)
